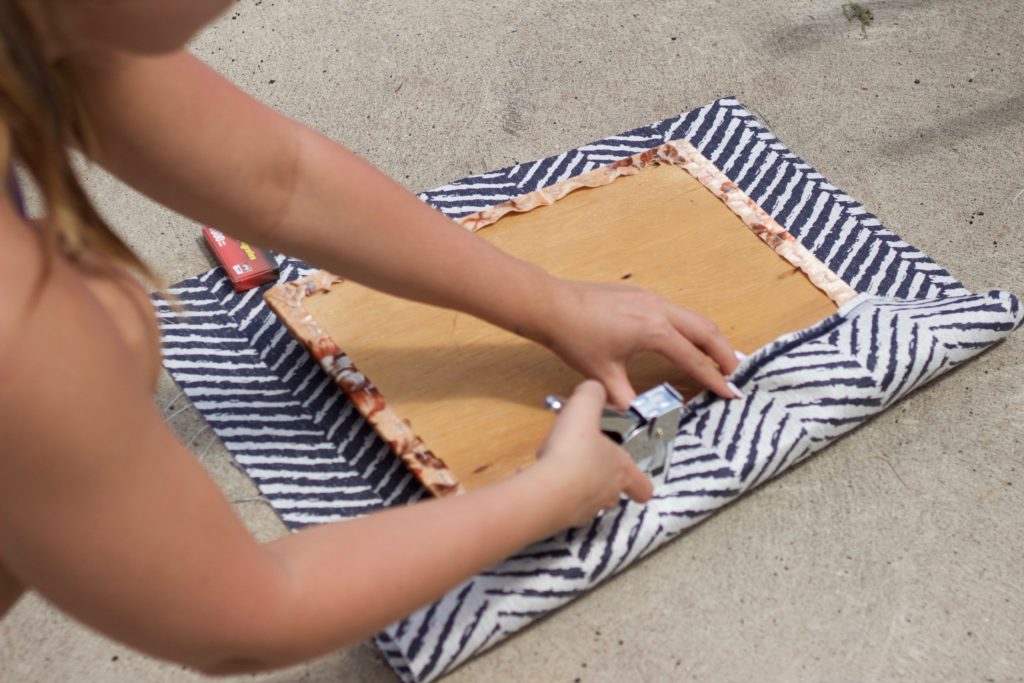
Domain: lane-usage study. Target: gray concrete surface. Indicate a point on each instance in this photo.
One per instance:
(895, 555)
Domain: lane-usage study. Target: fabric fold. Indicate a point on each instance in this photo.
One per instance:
(801, 392)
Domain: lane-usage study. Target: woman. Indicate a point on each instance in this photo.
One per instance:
(102, 510)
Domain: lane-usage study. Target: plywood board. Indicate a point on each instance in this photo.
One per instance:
(473, 393)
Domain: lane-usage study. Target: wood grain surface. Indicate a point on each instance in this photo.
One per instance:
(474, 392)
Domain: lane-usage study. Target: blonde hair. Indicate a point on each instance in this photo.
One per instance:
(41, 121)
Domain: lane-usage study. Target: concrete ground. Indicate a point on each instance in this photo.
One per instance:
(898, 553)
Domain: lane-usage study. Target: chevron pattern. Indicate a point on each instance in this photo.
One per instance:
(316, 460)
(801, 392)
(835, 227)
(307, 449)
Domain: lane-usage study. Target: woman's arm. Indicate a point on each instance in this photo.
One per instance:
(108, 516)
(173, 128)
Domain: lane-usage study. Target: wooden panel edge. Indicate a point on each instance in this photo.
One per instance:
(287, 301)
(682, 154)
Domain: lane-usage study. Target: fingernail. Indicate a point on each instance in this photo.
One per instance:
(740, 356)
(735, 390)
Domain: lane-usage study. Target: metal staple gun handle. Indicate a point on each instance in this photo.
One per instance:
(646, 429)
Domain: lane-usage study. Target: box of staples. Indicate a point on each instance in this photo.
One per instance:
(245, 265)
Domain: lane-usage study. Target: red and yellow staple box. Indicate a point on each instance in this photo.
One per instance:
(245, 265)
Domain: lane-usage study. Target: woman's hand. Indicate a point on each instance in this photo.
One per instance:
(594, 471)
(596, 328)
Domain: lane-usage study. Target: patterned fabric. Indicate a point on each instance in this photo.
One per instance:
(316, 460)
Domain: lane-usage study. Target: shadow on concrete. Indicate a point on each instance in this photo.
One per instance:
(984, 121)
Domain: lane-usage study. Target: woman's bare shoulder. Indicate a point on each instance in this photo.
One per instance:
(103, 510)
(49, 301)
(21, 268)
(71, 387)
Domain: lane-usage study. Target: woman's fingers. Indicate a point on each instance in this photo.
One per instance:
(583, 409)
(598, 470)
(620, 390)
(638, 486)
(685, 355)
(583, 412)
(603, 326)
(704, 334)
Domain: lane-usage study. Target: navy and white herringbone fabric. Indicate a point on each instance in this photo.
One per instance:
(316, 460)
